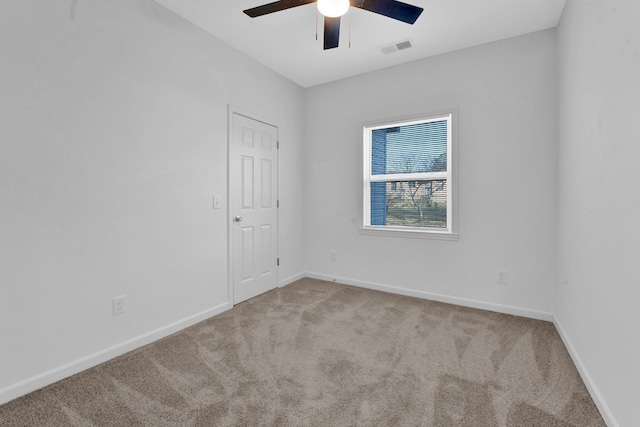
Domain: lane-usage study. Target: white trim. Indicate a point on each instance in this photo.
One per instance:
(465, 302)
(230, 296)
(427, 118)
(417, 176)
(289, 280)
(412, 233)
(594, 392)
(49, 377)
(597, 398)
(450, 115)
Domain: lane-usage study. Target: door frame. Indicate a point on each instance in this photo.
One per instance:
(230, 197)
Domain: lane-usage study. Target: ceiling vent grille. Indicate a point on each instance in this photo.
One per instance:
(396, 47)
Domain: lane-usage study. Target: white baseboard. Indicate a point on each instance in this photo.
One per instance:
(483, 305)
(291, 279)
(606, 413)
(34, 383)
(46, 378)
(602, 406)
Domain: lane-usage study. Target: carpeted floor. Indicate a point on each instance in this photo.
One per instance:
(321, 354)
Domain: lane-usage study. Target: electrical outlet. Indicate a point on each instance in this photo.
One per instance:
(118, 305)
(502, 277)
(333, 255)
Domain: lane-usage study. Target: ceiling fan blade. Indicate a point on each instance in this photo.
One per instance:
(331, 32)
(393, 9)
(276, 6)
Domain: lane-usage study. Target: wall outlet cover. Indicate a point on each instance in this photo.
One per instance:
(118, 305)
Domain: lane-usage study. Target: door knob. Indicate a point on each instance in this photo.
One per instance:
(238, 218)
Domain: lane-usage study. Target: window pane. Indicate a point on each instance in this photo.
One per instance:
(409, 203)
(413, 148)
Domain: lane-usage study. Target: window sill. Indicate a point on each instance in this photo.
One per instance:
(413, 234)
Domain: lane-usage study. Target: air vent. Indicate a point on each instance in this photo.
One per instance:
(403, 45)
(396, 47)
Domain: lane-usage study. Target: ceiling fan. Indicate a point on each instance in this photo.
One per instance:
(334, 9)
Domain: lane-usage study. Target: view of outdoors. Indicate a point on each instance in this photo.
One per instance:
(412, 149)
(417, 203)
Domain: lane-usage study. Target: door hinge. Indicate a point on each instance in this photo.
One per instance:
(278, 145)
(277, 203)
(278, 261)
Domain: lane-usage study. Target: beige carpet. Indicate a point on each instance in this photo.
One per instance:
(321, 354)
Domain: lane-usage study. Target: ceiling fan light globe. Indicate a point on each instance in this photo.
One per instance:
(333, 8)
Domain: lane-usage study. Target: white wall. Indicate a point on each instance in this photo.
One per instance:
(113, 139)
(599, 200)
(506, 94)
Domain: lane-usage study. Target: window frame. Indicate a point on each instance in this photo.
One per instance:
(366, 178)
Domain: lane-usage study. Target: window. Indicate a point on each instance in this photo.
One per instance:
(408, 181)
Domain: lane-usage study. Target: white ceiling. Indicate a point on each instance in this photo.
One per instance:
(286, 41)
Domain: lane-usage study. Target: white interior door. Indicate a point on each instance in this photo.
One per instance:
(253, 168)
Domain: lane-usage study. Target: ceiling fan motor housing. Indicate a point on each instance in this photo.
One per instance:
(334, 9)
